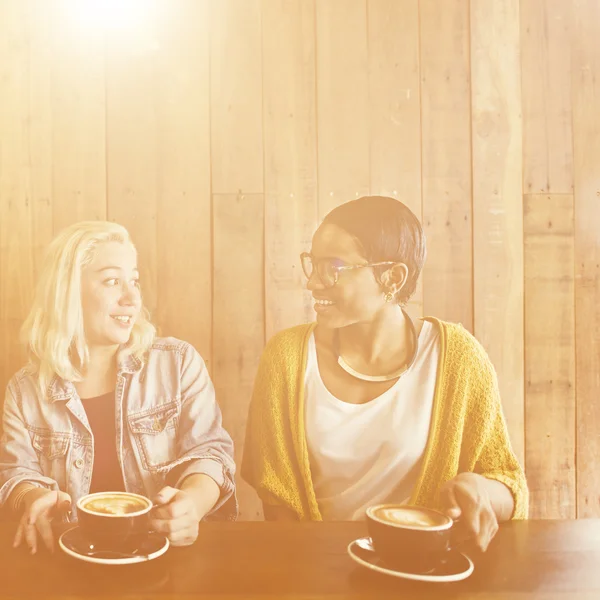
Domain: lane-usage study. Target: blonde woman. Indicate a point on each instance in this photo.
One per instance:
(105, 405)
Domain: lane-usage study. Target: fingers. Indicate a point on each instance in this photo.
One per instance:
(165, 495)
(20, 534)
(449, 501)
(482, 525)
(31, 537)
(184, 537)
(170, 526)
(489, 528)
(36, 520)
(45, 530)
(175, 509)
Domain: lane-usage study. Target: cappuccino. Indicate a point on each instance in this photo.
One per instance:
(414, 518)
(116, 504)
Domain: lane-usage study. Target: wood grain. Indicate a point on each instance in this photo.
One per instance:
(546, 84)
(446, 131)
(497, 200)
(184, 262)
(586, 144)
(290, 132)
(342, 102)
(238, 318)
(25, 167)
(550, 356)
(79, 119)
(236, 96)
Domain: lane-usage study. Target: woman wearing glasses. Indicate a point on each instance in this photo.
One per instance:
(366, 406)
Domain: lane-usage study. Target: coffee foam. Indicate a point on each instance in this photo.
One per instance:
(115, 504)
(409, 517)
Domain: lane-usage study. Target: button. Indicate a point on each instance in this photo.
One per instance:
(79, 463)
(156, 425)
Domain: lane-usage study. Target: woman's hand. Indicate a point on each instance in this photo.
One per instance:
(467, 497)
(40, 507)
(176, 516)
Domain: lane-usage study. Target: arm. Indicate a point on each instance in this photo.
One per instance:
(19, 464)
(273, 463)
(496, 462)
(501, 499)
(203, 490)
(203, 446)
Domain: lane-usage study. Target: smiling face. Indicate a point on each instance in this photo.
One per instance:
(357, 297)
(110, 294)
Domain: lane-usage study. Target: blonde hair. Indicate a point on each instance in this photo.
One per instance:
(54, 331)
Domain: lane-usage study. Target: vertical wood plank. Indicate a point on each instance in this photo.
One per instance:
(79, 117)
(236, 96)
(132, 130)
(25, 167)
(546, 81)
(446, 127)
(184, 264)
(394, 107)
(290, 157)
(497, 200)
(586, 143)
(238, 311)
(342, 102)
(550, 356)
(394, 97)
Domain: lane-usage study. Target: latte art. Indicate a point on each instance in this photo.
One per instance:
(115, 504)
(409, 517)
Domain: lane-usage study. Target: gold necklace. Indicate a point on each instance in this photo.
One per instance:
(377, 378)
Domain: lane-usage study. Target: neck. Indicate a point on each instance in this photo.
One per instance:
(388, 334)
(103, 360)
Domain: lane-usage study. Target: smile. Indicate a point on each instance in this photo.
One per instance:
(122, 318)
(324, 302)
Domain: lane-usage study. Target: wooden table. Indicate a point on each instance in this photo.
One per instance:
(541, 560)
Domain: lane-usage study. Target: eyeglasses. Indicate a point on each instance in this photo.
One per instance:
(328, 268)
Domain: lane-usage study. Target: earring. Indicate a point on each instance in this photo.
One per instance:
(389, 297)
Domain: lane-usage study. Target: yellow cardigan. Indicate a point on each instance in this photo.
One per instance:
(467, 432)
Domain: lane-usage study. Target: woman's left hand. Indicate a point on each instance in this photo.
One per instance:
(176, 516)
(466, 497)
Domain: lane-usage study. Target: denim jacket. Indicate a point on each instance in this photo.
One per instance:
(166, 415)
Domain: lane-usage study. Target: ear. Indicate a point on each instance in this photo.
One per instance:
(394, 278)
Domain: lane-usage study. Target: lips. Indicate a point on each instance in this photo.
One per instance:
(123, 319)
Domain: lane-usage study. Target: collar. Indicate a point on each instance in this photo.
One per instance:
(62, 390)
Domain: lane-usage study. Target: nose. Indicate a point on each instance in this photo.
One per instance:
(130, 294)
(314, 282)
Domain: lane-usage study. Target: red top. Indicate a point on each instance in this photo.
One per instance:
(106, 476)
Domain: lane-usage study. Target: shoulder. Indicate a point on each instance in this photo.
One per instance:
(463, 351)
(171, 350)
(287, 343)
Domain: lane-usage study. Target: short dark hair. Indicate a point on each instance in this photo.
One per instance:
(385, 229)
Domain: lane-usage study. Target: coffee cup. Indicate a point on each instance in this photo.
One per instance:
(410, 538)
(113, 518)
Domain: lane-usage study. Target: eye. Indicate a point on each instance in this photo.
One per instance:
(111, 282)
(336, 262)
(136, 282)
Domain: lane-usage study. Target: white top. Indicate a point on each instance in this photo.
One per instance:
(365, 454)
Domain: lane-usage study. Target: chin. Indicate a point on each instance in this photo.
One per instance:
(331, 322)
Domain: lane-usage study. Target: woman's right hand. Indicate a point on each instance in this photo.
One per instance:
(40, 507)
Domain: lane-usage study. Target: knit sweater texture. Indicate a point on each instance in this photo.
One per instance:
(468, 431)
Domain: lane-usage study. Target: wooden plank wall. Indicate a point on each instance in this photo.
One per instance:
(221, 131)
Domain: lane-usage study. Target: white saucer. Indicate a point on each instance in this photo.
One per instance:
(458, 567)
(141, 549)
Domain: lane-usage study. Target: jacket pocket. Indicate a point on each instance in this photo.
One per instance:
(155, 435)
(52, 449)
